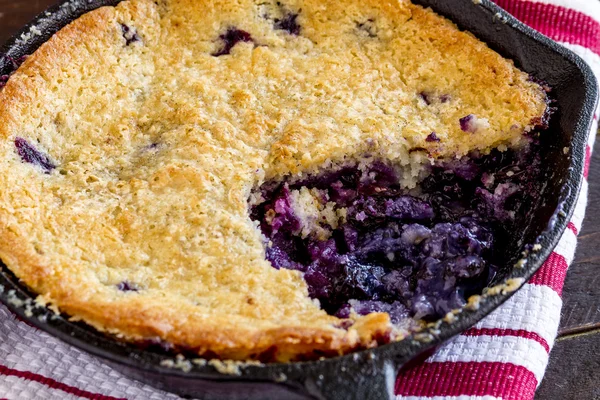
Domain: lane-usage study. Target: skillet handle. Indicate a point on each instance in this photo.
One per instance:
(362, 380)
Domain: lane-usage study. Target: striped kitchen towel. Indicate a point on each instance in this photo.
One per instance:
(502, 357)
(505, 355)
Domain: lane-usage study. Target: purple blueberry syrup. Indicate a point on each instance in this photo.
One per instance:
(413, 254)
(230, 38)
(31, 155)
(130, 35)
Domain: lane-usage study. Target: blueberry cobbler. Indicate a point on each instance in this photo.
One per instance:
(264, 180)
(365, 244)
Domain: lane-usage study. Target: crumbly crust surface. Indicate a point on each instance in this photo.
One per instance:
(157, 144)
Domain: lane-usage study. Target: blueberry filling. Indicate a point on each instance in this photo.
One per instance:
(152, 146)
(429, 98)
(127, 286)
(14, 65)
(130, 35)
(426, 98)
(31, 155)
(230, 38)
(468, 123)
(156, 344)
(365, 243)
(288, 23)
(432, 137)
(282, 18)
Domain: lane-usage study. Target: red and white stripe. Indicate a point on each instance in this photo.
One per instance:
(505, 355)
(575, 22)
(452, 398)
(502, 357)
(33, 362)
(589, 8)
(25, 384)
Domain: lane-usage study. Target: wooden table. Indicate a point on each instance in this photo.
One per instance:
(574, 369)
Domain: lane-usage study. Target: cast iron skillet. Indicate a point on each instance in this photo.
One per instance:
(368, 374)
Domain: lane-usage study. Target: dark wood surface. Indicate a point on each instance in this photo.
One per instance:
(574, 369)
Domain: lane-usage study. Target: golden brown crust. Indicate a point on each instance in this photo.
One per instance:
(158, 143)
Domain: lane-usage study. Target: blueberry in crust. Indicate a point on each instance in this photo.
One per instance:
(30, 154)
(136, 178)
(130, 35)
(230, 38)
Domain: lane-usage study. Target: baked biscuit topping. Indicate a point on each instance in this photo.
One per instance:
(134, 138)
